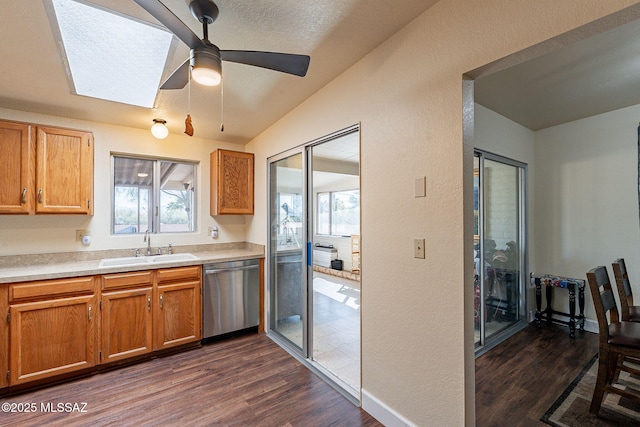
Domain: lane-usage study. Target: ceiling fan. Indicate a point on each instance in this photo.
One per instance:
(205, 58)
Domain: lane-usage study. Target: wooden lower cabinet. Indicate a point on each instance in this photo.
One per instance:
(4, 336)
(126, 324)
(54, 327)
(149, 310)
(178, 318)
(52, 337)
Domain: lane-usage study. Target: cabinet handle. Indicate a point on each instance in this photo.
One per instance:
(89, 312)
(149, 302)
(24, 196)
(40, 196)
(161, 297)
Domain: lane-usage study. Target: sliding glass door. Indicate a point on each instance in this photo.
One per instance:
(499, 242)
(288, 296)
(314, 256)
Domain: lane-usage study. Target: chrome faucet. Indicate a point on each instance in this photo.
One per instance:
(147, 239)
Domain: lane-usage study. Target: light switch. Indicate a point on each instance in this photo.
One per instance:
(418, 248)
(420, 187)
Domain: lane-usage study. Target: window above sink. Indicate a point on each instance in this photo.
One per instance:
(153, 194)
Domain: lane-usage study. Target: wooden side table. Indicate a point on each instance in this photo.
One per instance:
(568, 283)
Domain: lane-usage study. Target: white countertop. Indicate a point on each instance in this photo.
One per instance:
(57, 270)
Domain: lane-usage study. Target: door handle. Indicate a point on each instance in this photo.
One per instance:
(161, 298)
(149, 303)
(24, 196)
(40, 196)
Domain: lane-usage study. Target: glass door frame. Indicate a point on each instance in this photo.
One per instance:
(484, 344)
(283, 341)
(305, 354)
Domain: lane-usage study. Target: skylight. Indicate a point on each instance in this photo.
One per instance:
(111, 56)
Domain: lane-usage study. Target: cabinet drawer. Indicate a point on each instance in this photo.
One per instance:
(51, 288)
(127, 280)
(179, 273)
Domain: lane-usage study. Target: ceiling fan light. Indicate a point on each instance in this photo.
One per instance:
(206, 76)
(159, 129)
(205, 66)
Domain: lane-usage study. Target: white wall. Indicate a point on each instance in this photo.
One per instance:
(587, 197)
(417, 355)
(56, 233)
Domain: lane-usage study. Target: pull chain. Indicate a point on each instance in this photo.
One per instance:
(222, 105)
(188, 126)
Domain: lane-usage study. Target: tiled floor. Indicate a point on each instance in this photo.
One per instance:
(336, 327)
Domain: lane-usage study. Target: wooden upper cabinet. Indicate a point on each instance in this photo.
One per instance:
(45, 170)
(17, 169)
(231, 183)
(64, 171)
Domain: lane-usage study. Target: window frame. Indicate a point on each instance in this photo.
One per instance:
(331, 223)
(155, 192)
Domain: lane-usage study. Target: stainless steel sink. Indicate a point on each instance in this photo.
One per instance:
(132, 260)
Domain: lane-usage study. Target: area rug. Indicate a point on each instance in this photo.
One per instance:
(571, 409)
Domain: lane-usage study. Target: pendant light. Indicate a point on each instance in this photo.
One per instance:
(159, 129)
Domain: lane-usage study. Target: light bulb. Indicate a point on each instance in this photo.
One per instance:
(159, 129)
(206, 76)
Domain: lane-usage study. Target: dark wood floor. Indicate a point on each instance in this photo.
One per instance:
(245, 381)
(250, 381)
(517, 381)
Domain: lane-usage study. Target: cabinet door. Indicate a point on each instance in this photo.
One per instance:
(178, 315)
(51, 337)
(64, 172)
(17, 169)
(231, 183)
(126, 324)
(4, 336)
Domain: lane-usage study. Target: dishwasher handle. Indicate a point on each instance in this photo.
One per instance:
(223, 270)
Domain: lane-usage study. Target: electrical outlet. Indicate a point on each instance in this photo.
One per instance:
(79, 234)
(418, 248)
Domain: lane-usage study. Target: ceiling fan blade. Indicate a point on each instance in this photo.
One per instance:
(171, 21)
(179, 78)
(284, 62)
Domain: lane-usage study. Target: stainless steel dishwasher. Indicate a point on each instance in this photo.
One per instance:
(230, 297)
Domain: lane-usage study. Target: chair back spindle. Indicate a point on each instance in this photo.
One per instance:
(600, 285)
(624, 287)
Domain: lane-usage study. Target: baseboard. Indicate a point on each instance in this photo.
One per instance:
(589, 325)
(381, 412)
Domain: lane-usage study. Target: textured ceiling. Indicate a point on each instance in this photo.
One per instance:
(335, 33)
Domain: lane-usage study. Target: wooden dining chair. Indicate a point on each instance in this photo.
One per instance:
(628, 311)
(618, 340)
